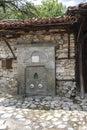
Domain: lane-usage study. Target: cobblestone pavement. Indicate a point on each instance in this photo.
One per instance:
(46, 113)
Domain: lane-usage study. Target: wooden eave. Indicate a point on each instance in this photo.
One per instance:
(17, 31)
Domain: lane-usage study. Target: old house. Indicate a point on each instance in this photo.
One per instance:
(45, 56)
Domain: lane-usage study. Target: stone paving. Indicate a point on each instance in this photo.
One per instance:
(45, 113)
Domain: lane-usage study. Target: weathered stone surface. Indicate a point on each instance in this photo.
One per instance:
(35, 66)
(65, 69)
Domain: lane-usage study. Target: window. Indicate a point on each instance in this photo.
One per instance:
(7, 63)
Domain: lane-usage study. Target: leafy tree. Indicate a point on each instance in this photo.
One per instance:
(31, 10)
(22, 9)
(51, 8)
(17, 9)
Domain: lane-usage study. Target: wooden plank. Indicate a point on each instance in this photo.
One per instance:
(81, 71)
(65, 58)
(80, 30)
(68, 46)
(68, 80)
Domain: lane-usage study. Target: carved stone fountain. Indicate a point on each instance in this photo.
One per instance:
(36, 69)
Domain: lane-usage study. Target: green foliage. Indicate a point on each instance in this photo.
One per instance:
(51, 8)
(17, 9)
(23, 9)
(30, 9)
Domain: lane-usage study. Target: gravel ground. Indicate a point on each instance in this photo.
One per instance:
(42, 113)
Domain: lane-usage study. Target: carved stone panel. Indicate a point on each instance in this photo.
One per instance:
(36, 70)
(36, 80)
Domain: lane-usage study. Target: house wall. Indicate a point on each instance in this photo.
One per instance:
(65, 68)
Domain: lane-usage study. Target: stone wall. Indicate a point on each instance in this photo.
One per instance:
(65, 68)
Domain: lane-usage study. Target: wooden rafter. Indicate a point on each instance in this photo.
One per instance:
(7, 43)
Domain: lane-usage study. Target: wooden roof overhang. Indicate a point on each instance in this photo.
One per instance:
(19, 27)
(79, 11)
(13, 32)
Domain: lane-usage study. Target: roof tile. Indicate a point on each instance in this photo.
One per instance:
(35, 21)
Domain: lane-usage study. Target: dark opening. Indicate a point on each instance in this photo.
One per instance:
(84, 54)
(7, 63)
(35, 76)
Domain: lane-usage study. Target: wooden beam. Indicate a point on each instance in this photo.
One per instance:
(68, 45)
(65, 58)
(7, 43)
(81, 29)
(73, 80)
(80, 42)
(81, 71)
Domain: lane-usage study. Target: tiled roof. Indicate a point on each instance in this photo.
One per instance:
(80, 7)
(5, 24)
(68, 18)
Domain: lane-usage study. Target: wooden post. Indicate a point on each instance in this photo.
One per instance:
(80, 42)
(68, 45)
(81, 71)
